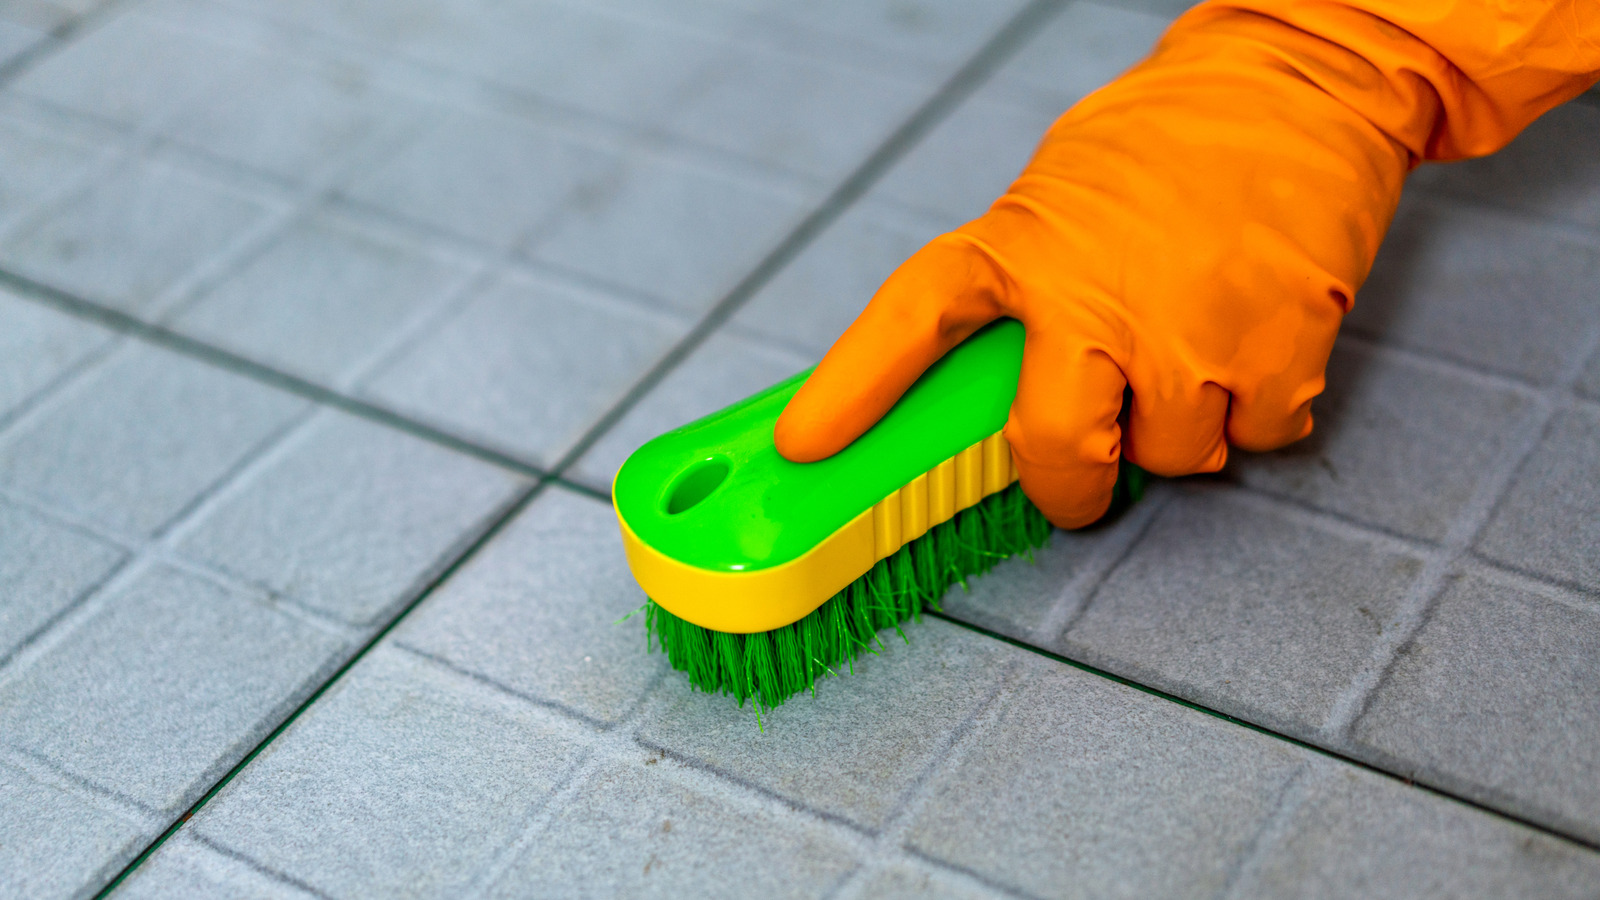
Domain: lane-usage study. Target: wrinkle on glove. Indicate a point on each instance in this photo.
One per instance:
(1196, 231)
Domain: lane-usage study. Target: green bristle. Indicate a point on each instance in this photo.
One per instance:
(770, 667)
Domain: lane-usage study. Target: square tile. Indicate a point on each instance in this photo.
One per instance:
(1546, 171)
(678, 231)
(130, 69)
(1589, 382)
(637, 831)
(1548, 522)
(487, 178)
(1396, 443)
(17, 39)
(538, 611)
(1362, 835)
(722, 371)
(402, 779)
(793, 113)
(858, 747)
(1494, 698)
(815, 297)
(1240, 608)
(528, 366)
(36, 161)
(185, 867)
(322, 299)
(1488, 290)
(132, 234)
(139, 438)
(351, 519)
(56, 843)
(46, 568)
(164, 689)
(1082, 49)
(1080, 786)
(290, 119)
(1019, 598)
(37, 347)
(972, 156)
(954, 173)
(903, 882)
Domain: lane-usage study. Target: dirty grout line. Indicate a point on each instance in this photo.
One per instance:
(508, 513)
(1318, 749)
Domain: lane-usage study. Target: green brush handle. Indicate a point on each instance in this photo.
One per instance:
(716, 495)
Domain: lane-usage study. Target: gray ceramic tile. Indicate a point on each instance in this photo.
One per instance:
(164, 688)
(635, 829)
(129, 69)
(485, 177)
(186, 867)
(1549, 521)
(1546, 171)
(403, 779)
(1239, 608)
(46, 567)
(1396, 443)
(855, 749)
(1358, 834)
(624, 68)
(1589, 382)
(1489, 290)
(290, 119)
(322, 299)
(814, 298)
(954, 173)
(16, 40)
(528, 366)
(36, 161)
(132, 234)
(141, 437)
(1018, 597)
(899, 881)
(924, 37)
(1081, 49)
(537, 611)
(37, 347)
(404, 27)
(673, 229)
(352, 519)
(1495, 697)
(794, 113)
(55, 842)
(724, 370)
(1084, 787)
(973, 155)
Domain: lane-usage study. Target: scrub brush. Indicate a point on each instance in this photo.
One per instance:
(763, 574)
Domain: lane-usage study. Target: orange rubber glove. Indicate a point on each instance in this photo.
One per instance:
(1197, 230)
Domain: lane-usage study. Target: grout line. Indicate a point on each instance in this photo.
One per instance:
(929, 114)
(1270, 832)
(1441, 566)
(1079, 593)
(168, 339)
(1318, 749)
(510, 512)
(56, 39)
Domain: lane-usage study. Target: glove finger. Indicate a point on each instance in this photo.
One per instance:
(935, 300)
(1177, 429)
(1272, 417)
(1063, 428)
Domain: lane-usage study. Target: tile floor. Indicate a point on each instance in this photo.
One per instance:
(324, 327)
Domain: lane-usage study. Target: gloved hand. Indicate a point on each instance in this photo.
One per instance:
(1197, 230)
